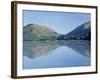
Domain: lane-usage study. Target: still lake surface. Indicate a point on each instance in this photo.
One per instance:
(56, 54)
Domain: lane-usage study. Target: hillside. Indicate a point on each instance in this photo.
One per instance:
(38, 32)
(82, 32)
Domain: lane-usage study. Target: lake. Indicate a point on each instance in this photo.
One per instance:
(56, 54)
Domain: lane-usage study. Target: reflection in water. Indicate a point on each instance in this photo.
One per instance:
(82, 47)
(48, 54)
(39, 48)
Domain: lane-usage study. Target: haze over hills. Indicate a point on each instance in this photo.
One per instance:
(39, 32)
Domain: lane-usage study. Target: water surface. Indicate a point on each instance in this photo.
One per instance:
(55, 54)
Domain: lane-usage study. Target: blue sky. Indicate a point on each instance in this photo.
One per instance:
(61, 22)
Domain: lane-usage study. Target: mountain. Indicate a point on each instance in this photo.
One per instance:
(82, 32)
(38, 32)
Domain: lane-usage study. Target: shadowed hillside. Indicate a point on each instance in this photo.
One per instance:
(82, 32)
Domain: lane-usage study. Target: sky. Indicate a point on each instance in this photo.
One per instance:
(61, 22)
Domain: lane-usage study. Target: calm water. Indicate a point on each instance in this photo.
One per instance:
(54, 54)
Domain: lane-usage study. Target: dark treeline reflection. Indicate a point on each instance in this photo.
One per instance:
(34, 49)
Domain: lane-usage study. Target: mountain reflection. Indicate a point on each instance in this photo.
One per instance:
(82, 47)
(33, 49)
